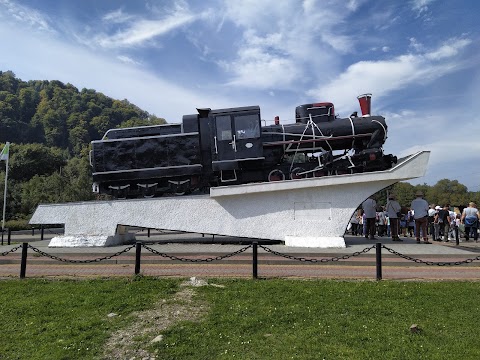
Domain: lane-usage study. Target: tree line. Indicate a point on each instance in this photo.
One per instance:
(50, 125)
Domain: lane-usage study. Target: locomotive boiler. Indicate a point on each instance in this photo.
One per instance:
(230, 146)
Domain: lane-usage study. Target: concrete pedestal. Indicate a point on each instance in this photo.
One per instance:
(310, 212)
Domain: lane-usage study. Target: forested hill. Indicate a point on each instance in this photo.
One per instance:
(50, 125)
(59, 115)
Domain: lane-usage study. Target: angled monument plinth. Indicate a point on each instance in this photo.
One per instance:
(311, 212)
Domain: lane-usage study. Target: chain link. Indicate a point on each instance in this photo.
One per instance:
(336, 258)
(11, 250)
(173, 257)
(80, 261)
(438, 263)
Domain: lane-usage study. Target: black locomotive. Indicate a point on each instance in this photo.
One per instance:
(230, 146)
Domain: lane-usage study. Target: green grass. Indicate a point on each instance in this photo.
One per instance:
(247, 319)
(282, 319)
(67, 319)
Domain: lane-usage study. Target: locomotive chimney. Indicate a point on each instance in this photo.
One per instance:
(277, 120)
(365, 103)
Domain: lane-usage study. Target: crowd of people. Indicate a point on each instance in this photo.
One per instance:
(421, 220)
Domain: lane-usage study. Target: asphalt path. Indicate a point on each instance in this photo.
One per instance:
(206, 256)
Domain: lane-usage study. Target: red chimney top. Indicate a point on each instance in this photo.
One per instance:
(365, 103)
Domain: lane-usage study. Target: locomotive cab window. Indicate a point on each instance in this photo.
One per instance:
(247, 126)
(224, 127)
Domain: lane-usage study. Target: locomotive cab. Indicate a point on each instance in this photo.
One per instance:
(236, 142)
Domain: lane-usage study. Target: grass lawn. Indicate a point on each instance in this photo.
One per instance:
(247, 319)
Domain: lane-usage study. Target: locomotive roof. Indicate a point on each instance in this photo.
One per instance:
(254, 108)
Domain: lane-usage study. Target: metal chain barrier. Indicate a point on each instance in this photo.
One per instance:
(420, 261)
(173, 257)
(336, 258)
(38, 251)
(12, 250)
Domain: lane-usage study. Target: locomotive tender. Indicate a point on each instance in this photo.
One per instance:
(230, 146)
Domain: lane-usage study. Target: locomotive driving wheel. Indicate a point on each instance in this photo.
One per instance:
(298, 173)
(320, 172)
(276, 175)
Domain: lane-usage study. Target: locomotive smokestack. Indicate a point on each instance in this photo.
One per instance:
(365, 103)
(277, 120)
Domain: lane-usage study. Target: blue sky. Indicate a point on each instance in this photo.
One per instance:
(419, 58)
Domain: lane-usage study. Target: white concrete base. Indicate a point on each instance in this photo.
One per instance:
(90, 240)
(311, 212)
(315, 242)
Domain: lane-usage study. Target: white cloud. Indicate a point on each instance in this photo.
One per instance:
(117, 17)
(127, 60)
(420, 6)
(385, 76)
(276, 49)
(415, 45)
(141, 31)
(448, 50)
(55, 60)
(31, 17)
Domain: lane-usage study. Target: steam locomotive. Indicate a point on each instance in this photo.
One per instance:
(230, 146)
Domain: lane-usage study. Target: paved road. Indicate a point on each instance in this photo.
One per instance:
(165, 256)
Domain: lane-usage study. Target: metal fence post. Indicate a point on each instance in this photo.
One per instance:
(9, 238)
(255, 259)
(378, 248)
(138, 255)
(23, 265)
(148, 232)
(41, 232)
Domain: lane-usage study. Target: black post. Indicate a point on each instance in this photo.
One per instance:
(33, 231)
(148, 232)
(138, 255)
(255, 259)
(23, 265)
(2, 235)
(457, 239)
(9, 238)
(41, 232)
(379, 260)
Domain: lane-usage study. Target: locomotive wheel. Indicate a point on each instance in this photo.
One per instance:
(343, 171)
(120, 192)
(148, 190)
(321, 173)
(276, 175)
(180, 187)
(296, 173)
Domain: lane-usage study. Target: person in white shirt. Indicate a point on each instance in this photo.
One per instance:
(393, 210)
(369, 207)
(420, 213)
(470, 218)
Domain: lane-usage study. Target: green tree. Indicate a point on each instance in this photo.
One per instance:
(29, 160)
(450, 192)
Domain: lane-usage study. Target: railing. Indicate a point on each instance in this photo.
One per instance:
(254, 246)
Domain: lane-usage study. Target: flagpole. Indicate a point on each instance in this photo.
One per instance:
(5, 192)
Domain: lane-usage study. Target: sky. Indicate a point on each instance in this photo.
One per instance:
(418, 58)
